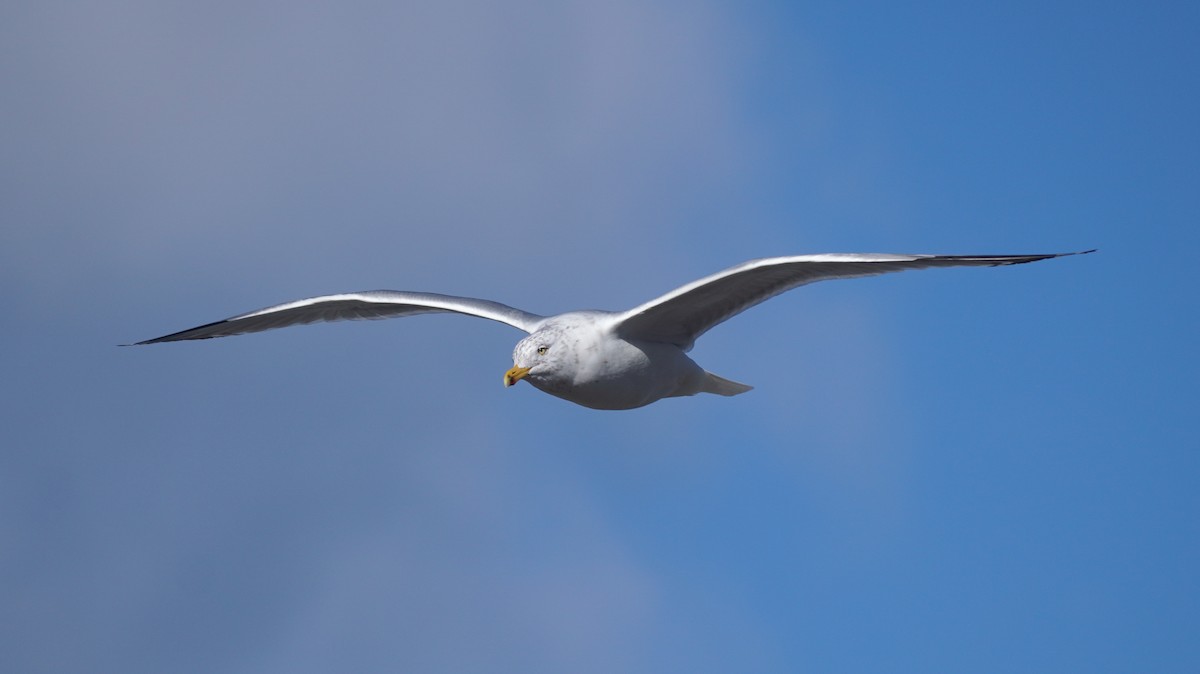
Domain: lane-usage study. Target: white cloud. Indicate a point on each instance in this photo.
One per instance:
(161, 153)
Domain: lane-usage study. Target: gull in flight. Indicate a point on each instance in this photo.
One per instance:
(610, 360)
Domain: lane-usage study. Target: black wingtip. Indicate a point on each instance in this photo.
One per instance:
(1078, 252)
(182, 335)
(1010, 260)
(1054, 255)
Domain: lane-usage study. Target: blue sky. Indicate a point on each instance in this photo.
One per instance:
(986, 470)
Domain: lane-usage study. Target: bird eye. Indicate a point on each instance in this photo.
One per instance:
(542, 350)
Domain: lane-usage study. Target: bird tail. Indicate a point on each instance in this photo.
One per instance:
(722, 386)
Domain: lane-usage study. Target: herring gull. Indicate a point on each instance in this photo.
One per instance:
(612, 360)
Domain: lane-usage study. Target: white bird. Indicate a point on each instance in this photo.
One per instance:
(605, 359)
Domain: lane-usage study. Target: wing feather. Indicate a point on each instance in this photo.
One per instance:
(374, 304)
(682, 315)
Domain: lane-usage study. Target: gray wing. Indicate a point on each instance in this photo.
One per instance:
(683, 314)
(350, 306)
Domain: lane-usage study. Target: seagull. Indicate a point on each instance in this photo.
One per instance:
(610, 360)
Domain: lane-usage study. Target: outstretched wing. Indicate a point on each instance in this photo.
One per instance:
(350, 306)
(683, 314)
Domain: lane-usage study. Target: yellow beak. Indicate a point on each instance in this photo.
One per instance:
(515, 375)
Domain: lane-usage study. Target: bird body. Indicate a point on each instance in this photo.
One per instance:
(603, 359)
(578, 357)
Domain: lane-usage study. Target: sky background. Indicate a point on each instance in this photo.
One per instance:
(983, 470)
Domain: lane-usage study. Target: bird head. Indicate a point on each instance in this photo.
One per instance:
(542, 358)
(531, 359)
